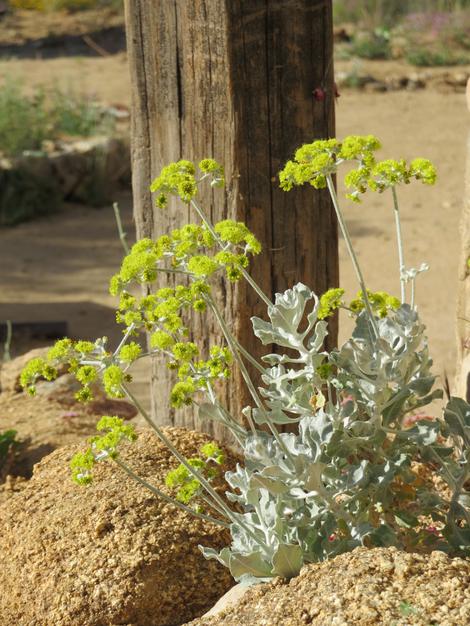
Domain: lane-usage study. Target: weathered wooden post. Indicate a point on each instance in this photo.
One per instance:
(245, 82)
(462, 378)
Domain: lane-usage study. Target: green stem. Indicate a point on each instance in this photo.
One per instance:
(235, 428)
(170, 270)
(161, 494)
(401, 255)
(249, 358)
(256, 287)
(7, 344)
(128, 333)
(249, 383)
(234, 348)
(164, 439)
(352, 254)
(122, 234)
(245, 274)
(234, 519)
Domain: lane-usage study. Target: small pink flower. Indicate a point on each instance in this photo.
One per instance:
(409, 420)
(432, 529)
(332, 537)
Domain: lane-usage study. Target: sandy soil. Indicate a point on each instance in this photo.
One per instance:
(58, 267)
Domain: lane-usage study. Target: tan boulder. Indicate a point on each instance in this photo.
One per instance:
(110, 553)
(365, 587)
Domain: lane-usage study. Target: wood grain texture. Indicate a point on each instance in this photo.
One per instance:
(234, 79)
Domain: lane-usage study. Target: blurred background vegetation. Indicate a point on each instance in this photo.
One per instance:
(425, 33)
(67, 5)
(28, 120)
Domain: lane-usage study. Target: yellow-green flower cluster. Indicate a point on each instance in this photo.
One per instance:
(179, 179)
(103, 446)
(64, 351)
(187, 485)
(359, 148)
(215, 170)
(237, 233)
(196, 375)
(182, 393)
(184, 250)
(381, 302)
(130, 352)
(387, 174)
(140, 264)
(330, 301)
(160, 313)
(114, 431)
(423, 170)
(113, 380)
(35, 369)
(313, 162)
(176, 179)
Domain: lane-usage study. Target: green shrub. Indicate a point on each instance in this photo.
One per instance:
(24, 195)
(426, 57)
(7, 442)
(73, 115)
(67, 5)
(27, 120)
(372, 46)
(24, 121)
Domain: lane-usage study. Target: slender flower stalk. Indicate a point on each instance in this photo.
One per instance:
(233, 517)
(245, 274)
(352, 254)
(122, 234)
(127, 334)
(401, 254)
(170, 500)
(234, 348)
(249, 383)
(249, 358)
(164, 439)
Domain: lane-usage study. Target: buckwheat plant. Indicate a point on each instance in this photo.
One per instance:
(359, 469)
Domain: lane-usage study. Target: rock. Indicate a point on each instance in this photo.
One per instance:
(415, 81)
(457, 79)
(233, 595)
(109, 553)
(377, 86)
(87, 171)
(365, 587)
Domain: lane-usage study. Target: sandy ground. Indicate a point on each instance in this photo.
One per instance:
(410, 124)
(58, 267)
